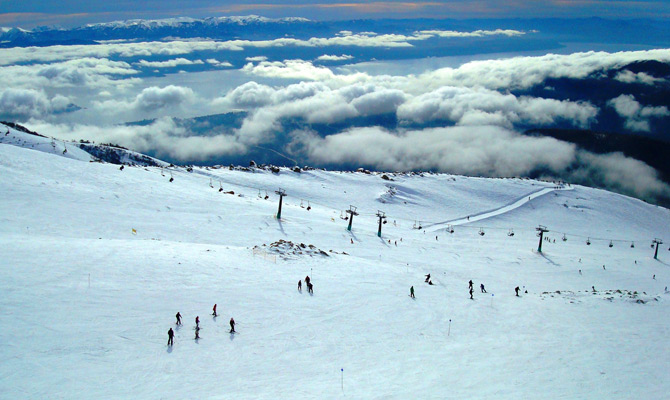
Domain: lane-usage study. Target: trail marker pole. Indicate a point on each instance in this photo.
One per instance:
(382, 217)
(491, 300)
(342, 371)
(281, 192)
(351, 211)
(541, 229)
(449, 331)
(657, 242)
(89, 280)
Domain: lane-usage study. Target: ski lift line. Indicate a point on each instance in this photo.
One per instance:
(427, 224)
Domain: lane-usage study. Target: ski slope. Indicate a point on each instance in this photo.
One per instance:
(98, 260)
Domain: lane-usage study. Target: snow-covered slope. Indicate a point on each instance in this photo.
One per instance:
(97, 261)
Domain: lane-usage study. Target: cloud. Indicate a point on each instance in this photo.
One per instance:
(477, 33)
(328, 57)
(217, 63)
(163, 137)
(466, 106)
(479, 151)
(640, 77)
(150, 102)
(22, 104)
(636, 116)
(84, 72)
(525, 72)
(169, 63)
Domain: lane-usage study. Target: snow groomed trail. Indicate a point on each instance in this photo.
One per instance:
(496, 211)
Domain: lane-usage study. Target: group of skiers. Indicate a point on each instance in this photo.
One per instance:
(470, 288)
(197, 326)
(308, 283)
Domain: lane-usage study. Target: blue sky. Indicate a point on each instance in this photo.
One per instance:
(31, 13)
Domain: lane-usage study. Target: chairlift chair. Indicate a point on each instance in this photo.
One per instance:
(220, 187)
(481, 232)
(309, 206)
(171, 177)
(565, 238)
(260, 196)
(266, 195)
(301, 204)
(450, 229)
(510, 233)
(588, 241)
(632, 245)
(210, 183)
(611, 244)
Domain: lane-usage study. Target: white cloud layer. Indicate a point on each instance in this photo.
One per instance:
(636, 116)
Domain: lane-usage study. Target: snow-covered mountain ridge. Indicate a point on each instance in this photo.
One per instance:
(98, 261)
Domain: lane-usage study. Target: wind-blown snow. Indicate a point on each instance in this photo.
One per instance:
(86, 301)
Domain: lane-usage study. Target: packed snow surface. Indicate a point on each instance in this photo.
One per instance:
(97, 261)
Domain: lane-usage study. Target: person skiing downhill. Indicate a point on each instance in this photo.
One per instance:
(481, 286)
(232, 325)
(307, 280)
(516, 289)
(170, 337)
(427, 278)
(214, 311)
(310, 288)
(299, 285)
(470, 284)
(178, 318)
(411, 291)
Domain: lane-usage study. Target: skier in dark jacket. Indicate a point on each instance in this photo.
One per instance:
(471, 292)
(170, 337)
(411, 291)
(178, 318)
(197, 322)
(214, 311)
(481, 286)
(307, 280)
(310, 288)
(299, 285)
(232, 325)
(470, 284)
(427, 278)
(516, 289)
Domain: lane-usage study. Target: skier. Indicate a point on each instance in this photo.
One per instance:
(654, 277)
(170, 337)
(307, 280)
(470, 284)
(580, 272)
(197, 322)
(299, 285)
(232, 325)
(352, 241)
(214, 309)
(310, 288)
(471, 292)
(427, 278)
(603, 266)
(178, 318)
(516, 289)
(411, 291)
(593, 288)
(481, 286)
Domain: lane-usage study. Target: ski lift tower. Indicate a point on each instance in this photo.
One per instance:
(351, 211)
(382, 218)
(657, 242)
(541, 229)
(281, 192)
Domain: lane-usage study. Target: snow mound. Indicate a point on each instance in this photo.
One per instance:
(286, 249)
